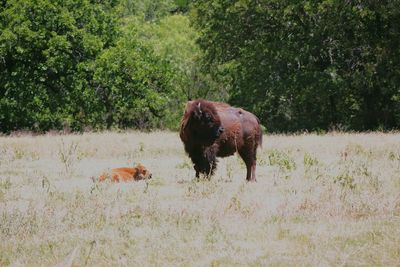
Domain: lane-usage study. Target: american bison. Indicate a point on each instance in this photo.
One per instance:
(126, 174)
(213, 129)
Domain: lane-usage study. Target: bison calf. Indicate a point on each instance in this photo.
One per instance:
(126, 174)
(212, 129)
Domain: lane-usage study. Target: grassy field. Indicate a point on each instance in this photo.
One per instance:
(330, 200)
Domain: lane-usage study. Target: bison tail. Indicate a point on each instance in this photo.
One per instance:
(260, 132)
(260, 138)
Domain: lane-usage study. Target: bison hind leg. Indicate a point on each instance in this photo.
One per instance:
(249, 157)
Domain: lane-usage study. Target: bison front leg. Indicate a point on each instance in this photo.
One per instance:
(197, 165)
(204, 166)
(210, 154)
(205, 162)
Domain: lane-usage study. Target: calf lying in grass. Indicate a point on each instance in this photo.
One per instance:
(126, 174)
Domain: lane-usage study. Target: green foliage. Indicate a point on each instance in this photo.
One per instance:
(78, 64)
(307, 64)
(174, 40)
(282, 160)
(132, 82)
(298, 65)
(148, 10)
(152, 10)
(46, 48)
(346, 181)
(309, 160)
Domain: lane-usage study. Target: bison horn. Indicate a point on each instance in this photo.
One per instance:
(198, 105)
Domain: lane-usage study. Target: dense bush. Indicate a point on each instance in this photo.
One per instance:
(307, 64)
(47, 49)
(298, 65)
(132, 83)
(81, 63)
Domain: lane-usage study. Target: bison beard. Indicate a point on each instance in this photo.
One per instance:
(212, 129)
(204, 161)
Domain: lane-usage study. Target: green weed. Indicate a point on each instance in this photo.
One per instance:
(282, 160)
(346, 181)
(68, 155)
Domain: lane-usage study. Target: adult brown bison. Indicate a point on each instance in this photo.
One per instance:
(212, 129)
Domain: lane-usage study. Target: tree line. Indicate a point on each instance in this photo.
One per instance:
(298, 65)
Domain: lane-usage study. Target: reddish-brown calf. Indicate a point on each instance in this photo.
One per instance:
(126, 174)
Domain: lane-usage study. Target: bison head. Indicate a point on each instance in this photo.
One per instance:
(142, 173)
(204, 121)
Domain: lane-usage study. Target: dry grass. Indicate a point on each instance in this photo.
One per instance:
(319, 201)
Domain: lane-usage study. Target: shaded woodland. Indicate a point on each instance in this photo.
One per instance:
(116, 64)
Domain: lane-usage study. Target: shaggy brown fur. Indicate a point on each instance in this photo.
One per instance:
(126, 174)
(212, 129)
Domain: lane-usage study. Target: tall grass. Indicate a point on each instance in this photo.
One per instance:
(319, 200)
